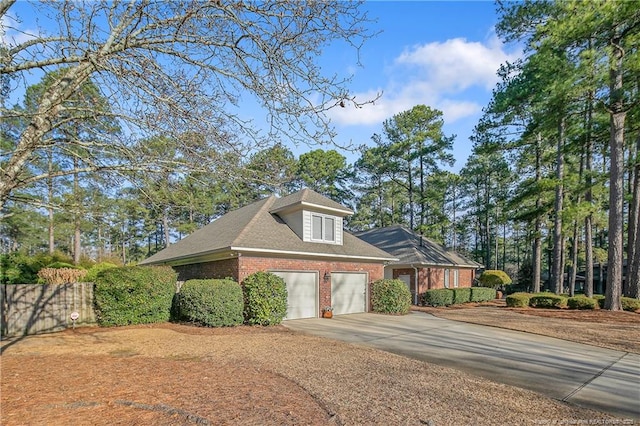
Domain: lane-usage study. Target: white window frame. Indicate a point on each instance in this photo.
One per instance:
(446, 278)
(323, 233)
(455, 278)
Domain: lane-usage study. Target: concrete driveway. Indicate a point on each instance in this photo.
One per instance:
(583, 375)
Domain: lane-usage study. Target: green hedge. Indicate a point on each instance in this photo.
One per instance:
(134, 295)
(494, 278)
(93, 272)
(581, 302)
(461, 295)
(390, 297)
(630, 304)
(438, 297)
(265, 299)
(213, 303)
(482, 294)
(549, 300)
(600, 299)
(518, 300)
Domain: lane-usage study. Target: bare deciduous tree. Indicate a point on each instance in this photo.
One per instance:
(179, 66)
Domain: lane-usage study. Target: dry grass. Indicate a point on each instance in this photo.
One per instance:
(613, 330)
(177, 374)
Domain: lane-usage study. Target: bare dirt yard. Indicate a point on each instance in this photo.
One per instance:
(176, 374)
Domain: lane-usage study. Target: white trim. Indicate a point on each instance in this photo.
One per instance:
(321, 207)
(301, 253)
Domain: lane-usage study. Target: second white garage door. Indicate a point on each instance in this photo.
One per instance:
(348, 292)
(302, 293)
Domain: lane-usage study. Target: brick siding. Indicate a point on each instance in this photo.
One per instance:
(431, 278)
(243, 266)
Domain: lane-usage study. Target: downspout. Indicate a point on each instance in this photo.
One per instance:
(415, 285)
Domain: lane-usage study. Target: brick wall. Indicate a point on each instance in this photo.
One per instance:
(227, 268)
(243, 266)
(431, 278)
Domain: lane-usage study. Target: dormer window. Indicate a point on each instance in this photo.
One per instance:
(323, 228)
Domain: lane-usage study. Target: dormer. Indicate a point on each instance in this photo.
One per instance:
(313, 217)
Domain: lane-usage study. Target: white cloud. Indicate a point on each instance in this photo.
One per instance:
(444, 75)
(457, 64)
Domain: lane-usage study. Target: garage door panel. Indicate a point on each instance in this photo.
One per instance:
(348, 292)
(302, 293)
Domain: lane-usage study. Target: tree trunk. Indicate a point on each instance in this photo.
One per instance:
(616, 184)
(574, 260)
(558, 243)
(76, 214)
(52, 245)
(537, 232)
(633, 251)
(165, 226)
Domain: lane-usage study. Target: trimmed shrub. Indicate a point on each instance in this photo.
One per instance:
(600, 299)
(630, 304)
(134, 295)
(390, 297)
(581, 302)
(482, 294)
(461, 295)
(438, 297)
(549, 300)
(518, 300)
(265, 299)
(213, 303)
(59, 265)
(58, 276)
(92, 273)
(494, 278)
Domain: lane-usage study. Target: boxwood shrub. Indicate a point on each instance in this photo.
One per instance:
(581, 302)
(518, 300)
(212, 303)
(600, 299)
(630, 304)
(438, 297)
(461, 295)
(494, 278)
(134, 295)
(93, 272)
(390, 297)
(547, 300)
(482, 294)
(265, 299)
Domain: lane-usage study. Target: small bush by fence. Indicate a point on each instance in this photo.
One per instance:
(41, 308)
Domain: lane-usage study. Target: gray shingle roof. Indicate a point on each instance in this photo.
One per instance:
(308, 196)
(254, 228)
(411, 248)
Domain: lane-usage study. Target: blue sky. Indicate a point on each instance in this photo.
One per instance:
(443, 54)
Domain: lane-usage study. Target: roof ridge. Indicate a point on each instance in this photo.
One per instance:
(268, 202)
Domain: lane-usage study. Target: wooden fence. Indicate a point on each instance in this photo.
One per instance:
(41, 308)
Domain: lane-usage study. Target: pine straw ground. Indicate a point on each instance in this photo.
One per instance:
(173, 374)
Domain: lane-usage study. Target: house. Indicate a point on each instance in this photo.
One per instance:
(422, 264)
(299, 237)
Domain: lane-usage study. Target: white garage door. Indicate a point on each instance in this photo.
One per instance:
(302, 293)
(348, 292)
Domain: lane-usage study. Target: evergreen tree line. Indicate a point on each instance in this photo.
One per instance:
(550, 192)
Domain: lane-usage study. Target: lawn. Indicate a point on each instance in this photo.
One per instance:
(178, 374)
